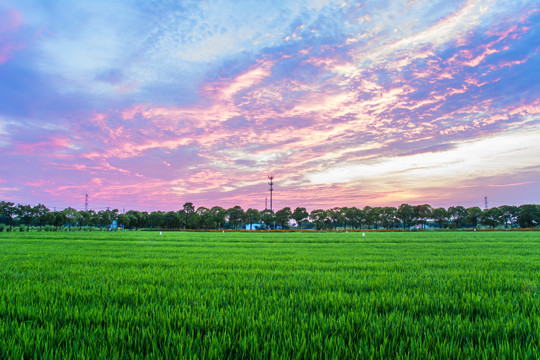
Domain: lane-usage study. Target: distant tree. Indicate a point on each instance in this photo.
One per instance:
(374, 216)
(405, 213)
(138, 219)
(318, 216)
(252, 216)
(509, 215)
(491, 217)
(440, 215)
(283, 216)
(171, 220)
(95, 219)
(368, 216)
(268, 218)
(41, 214)
(351, 219)
(422, 213)
(25, 213)
(187, 214)
(336, 216)
(204, 217)
(59, 219)
(529, 216)
(85, 217)
(8, 210)
(236, 216)
(299, 215)
(124, 220)
(70, 216)
(388, 216)
(79, 219)
(156, 219)
(474, 215)
(457, 214)
(218, 216)
(358, 215)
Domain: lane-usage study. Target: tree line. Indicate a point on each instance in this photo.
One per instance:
(404, 216)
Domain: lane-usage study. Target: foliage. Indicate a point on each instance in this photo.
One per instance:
(338, 218)
(300, 215)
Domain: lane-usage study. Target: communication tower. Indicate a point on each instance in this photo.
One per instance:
(86, 203)
(271, 188)
(485, 203)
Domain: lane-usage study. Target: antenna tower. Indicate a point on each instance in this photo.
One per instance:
(86, 203)
(485, 203)
(271, 184)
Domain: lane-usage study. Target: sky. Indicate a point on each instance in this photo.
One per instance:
(147, 105)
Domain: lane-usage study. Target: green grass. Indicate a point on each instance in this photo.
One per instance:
(287, 295)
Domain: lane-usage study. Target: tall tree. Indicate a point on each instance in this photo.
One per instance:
(388, 215)
(8, 210)
(59, 219)
(41, 214)
(218, 216)
(283, 216)
(474, 214)
(156, 219)
(375, 216)
(368, 216)
(359, 216)
(457, 214)
(440, 215)
(318, 216)
(422, 213)
(299, 215)
(268, 218)
(491, 217)
(171, 220)
(124, 220)
(187, 214)
(336, 216)
(252, 216)
(204, 217)
(529, 216)
(509, 215)
(405, 213)
(26, 213)
(236, 216)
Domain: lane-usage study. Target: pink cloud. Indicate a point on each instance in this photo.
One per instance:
(49, 146)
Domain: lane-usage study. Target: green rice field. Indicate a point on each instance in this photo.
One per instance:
(388, 295)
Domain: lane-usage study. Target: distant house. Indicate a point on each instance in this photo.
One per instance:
(419, 226)
(253, 226)
(114, 225)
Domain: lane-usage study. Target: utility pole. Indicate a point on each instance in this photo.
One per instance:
(271, 184)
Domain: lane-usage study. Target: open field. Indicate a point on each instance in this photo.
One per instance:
(263, 295)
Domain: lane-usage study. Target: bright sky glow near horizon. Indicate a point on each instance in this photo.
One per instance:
(149, 104)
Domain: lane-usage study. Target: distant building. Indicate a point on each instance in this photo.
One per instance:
(253, 226)
(114, 225)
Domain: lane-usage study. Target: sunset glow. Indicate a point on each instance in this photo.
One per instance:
(372, 103)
